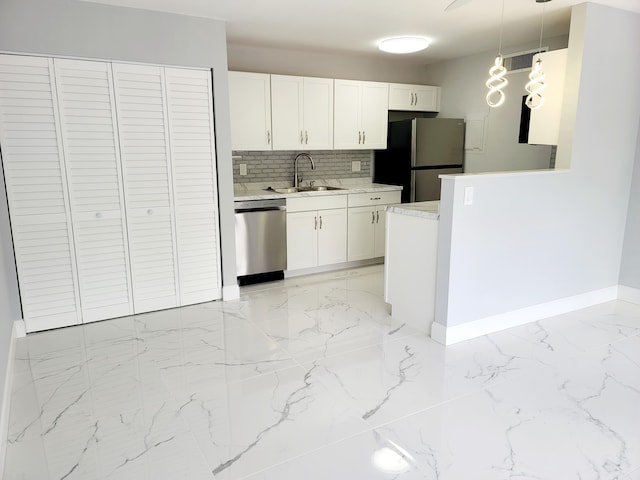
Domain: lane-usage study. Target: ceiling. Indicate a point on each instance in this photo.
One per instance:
(354, 26)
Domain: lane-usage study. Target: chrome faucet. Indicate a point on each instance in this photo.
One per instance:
(296, 179)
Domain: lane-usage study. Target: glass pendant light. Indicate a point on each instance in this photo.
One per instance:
(536, 83)
(497, 81)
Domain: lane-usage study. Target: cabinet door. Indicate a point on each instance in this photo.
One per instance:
(427, 99)
(302, 240)
(35, 178)
(250, 104)
(380, 234)
(361, 233)
(318, 113)
(92, 157)
(286, 112)
(332, 236)
(143, 132)
(347, 131)
(401, 96)
(375, 114)
(191, 136)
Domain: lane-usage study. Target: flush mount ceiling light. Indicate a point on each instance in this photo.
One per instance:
(403, 44)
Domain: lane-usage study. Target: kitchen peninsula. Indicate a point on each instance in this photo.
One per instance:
(410, 262)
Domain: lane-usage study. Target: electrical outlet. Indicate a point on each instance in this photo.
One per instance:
(243, 169)
(356, 166)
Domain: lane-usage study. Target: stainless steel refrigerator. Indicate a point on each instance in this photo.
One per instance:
(418, 150)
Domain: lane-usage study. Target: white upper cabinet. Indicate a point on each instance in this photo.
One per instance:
(195, 194)
(421, 98)
(35, 178)
(375, 114)
(250, 104)
(144, 146)
(544, 126)
(361, 114)
(302, 113)
(92, 158)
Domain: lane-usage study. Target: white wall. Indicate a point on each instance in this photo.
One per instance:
(89, 30)
(463, 94)
(630, 269)
(320, 64)
(532, 238)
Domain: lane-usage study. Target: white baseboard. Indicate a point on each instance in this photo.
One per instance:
(230, 292)
(17, 331)
(628, 294)
(333, 267)
(484, 326)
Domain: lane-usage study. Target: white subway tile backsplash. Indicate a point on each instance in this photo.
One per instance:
(277, 166)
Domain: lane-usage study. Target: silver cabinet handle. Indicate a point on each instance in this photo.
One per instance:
(375, 198)
(306, 137)
(364, 138)
(412, 98)
(320, 222)
(316, 225)
(268, 137)
(416, 94)
(301, 137)
(373, 217)
(378, 216)
(359, 137)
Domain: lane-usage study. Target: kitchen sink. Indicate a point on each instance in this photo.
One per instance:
(320, 188)
(284, 190)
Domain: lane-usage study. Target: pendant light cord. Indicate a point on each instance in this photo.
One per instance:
(541, 27)
(501, 28)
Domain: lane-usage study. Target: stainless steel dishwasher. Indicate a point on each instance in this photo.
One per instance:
(261, 240)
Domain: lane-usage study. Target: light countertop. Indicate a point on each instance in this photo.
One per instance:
(259, 192)
(428, 210)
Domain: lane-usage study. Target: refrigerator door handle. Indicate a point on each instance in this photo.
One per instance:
(413, 186)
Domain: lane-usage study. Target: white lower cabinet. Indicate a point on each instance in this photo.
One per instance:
(367, 224)
(111, 181)
(316, 237)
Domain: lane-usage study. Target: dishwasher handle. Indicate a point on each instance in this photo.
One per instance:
(260, 205)
(259, 209)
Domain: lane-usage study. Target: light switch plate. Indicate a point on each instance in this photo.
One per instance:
(468, 195)
(356, 166)
(243, 169)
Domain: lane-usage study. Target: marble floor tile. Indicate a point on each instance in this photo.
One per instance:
(579, 421)
(311, 378)
(584, 329)
(407, 375)
(635, 475)
(247, 426)
(366, 456)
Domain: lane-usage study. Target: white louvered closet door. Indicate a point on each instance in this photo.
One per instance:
(190, 107)
(36, 190)
(87, 113)
(144, 147)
